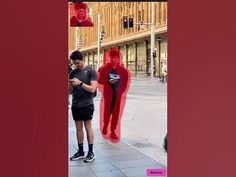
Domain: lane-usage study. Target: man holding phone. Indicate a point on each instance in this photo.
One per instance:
(82, 85)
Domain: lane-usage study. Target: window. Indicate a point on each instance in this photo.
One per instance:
(129, 4)
(159, 16)
(143, 15)
(139, 18)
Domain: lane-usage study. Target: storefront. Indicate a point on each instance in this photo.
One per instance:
(86, 58)
(95, 60)
(141, 59)
(136, 56)
(123, 53)
(90, 59)
(161, 59)
(131, 58)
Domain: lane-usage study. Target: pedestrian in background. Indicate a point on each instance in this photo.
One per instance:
(82, 85)
(165, 143)
(164, 72)
(70, 68)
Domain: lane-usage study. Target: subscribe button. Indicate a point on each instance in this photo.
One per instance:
(156, 172)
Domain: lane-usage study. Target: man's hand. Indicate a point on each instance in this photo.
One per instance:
(112, 81)
(74, 81)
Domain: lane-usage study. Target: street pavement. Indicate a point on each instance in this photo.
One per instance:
(145, 117)
(144, 125)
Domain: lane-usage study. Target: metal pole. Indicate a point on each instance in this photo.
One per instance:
(152, 38)
(99, 36)
(159, 57)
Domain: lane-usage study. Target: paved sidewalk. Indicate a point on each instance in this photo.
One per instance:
(112, 160)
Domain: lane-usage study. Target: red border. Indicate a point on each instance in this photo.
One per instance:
(201, 92)
(34, 119)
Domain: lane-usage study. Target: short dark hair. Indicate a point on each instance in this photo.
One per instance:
(76, 55)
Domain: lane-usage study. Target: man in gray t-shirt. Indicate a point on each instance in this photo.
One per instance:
(82, 97)
(82, 85)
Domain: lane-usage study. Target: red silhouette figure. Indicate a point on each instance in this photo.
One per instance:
(80, 17)
(113, 82)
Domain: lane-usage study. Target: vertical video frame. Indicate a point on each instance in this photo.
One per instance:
(117, 88)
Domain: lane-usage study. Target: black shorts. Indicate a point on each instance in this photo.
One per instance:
(84, 113)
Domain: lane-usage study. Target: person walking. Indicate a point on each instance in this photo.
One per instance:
(113, 82)
(70, 69)
(82, 85)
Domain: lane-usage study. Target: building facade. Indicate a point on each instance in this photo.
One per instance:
(72, 35)
(134, 43)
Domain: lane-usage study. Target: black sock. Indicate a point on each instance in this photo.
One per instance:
(90, 147)
(81, 147)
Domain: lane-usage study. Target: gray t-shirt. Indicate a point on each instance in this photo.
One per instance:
(81, 97)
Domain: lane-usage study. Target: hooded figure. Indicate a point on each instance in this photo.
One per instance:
(114, 81)
(81, 15)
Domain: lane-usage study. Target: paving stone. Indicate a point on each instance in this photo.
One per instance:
(82, 171)
(126, 157)
(137, 171)
(101, 166)
(135, 163)
(111, 173)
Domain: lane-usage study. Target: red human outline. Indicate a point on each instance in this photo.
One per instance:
(113, 94)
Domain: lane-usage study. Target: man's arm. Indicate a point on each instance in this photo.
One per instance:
(90, 88)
